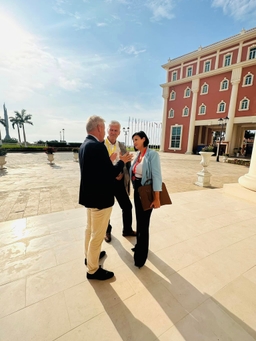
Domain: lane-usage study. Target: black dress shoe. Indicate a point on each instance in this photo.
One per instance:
(139, 266)
(102, 254)
(101, 275)
(108, 237)
(130, 234)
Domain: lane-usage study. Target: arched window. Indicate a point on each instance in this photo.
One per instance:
(202, 109)
(221, 107)
(172, 95)
(204, 88)
(185, 111)
(244, 104)
(187, 92)
(171, 113)
(248, 79)
(224, 84)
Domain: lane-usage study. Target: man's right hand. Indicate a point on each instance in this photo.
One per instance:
(127, 157)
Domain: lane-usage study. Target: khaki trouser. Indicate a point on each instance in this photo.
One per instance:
(97, 222)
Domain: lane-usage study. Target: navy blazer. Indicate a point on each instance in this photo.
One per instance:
(97, 174)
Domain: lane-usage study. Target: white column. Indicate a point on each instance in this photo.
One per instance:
(181, 70)
(217, 59)
(239, 52)
(191, 132)
(235, 80)
(165, 96)
(249, 180)
(197, 65)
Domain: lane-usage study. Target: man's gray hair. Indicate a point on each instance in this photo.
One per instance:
(115, 123)
(92, 123)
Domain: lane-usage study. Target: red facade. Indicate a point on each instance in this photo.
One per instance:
(222, 83)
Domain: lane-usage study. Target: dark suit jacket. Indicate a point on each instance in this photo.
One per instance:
(97, 174)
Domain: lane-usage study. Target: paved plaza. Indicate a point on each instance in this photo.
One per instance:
(30, 186)
(198, 284)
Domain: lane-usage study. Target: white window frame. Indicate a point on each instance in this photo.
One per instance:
(189, 71)
(253, 47)
(202, 88)
(200, 109)
(171, 113)
(222, 103)
(225, 58)
(180, 137)
(172, 95)
(241, 104)
(185, 92)
(174, 75)
(206, 63)
(245, 79)
(221, 84)
(185, 109)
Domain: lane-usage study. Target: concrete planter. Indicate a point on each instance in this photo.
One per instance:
(2, 161)
(203, 177)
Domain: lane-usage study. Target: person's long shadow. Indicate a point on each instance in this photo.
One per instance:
(127, 326)
(196, 315)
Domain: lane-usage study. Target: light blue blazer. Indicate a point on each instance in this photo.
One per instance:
(151, 170)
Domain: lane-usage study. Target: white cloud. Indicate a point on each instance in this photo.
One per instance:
(101, 24)
(81, 26)
(239, 9)
(131, 50)
(161, 9)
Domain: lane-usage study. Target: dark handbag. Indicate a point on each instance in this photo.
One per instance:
(146, 196)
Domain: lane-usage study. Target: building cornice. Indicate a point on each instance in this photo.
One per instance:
(243, 35)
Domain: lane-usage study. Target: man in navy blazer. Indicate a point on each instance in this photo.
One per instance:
(97, 193)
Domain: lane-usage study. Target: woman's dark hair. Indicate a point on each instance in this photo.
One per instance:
(142, 134)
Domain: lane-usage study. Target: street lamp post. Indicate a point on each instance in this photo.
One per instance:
(222, 123)
(126, 131)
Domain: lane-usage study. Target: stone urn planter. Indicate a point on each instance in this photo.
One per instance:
(50, 154)
(75, 154)
(3, 153)
(50, 158)
(204, 175)
(2, 161)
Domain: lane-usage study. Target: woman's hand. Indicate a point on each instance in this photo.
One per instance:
(156, 201)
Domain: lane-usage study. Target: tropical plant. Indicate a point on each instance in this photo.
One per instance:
(2, 121)
(3, 152)
(208, 148)
(49, 150)
(23, 118)
(16, 122)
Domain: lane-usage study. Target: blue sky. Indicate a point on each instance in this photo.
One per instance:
(64, 60)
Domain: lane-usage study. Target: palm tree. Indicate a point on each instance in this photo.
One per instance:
(2, 121)
(16, 122)
(23, 118)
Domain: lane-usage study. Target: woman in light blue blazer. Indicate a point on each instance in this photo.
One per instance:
(145, 169)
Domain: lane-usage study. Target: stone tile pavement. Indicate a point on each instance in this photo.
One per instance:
(30, 186)
(198, 284)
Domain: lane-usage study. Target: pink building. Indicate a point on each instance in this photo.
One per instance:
(206, 85)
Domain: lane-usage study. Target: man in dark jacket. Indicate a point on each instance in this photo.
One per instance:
(97, 193)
